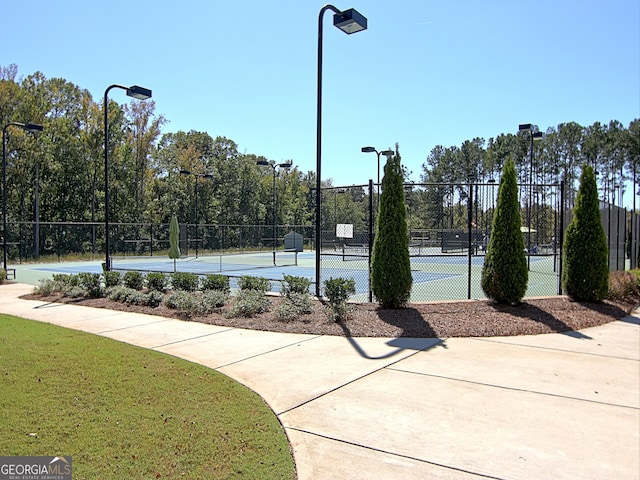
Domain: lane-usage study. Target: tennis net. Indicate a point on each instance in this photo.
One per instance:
(204, 264)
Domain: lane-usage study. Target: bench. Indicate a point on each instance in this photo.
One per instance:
(11, 273)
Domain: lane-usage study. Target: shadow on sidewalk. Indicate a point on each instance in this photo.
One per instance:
(409, 339)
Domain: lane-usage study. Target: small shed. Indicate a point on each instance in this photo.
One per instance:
(293, 242)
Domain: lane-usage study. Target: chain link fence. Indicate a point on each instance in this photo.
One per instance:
(449, 228)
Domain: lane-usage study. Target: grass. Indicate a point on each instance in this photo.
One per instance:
(125, 412)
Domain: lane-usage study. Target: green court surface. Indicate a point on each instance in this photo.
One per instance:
(435, 277)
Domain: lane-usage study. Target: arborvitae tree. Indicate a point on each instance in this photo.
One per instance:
(174, 234)
(390, 267)
(585, 274)
(504, 274)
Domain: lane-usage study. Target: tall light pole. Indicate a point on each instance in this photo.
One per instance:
(286, 166)
(527, 127)
(29, 127)
(350, 21)
(197, 175)
(139, 93)
(386, 153)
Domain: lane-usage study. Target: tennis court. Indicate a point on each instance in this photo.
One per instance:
(435, 277)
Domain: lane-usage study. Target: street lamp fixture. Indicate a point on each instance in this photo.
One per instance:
(197, 175)
(29, 127)
(286, 166)
(533, 135)
(139, 93)
(349, 21)
(386, 153)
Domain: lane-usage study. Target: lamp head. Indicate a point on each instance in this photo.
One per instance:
(263, 163)
(350, 21)
(185, 172)
(537, 135)
(140, 93)
(525, 127)
(368, 149)
(387, 153)
(33, 127)
(207, 175)
(286, 165)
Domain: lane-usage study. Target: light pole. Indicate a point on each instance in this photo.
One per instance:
(350, 21)
(196, 175)
(284, 165)
(29, 127)
(139, 93)
(527, 127)
(386, 153)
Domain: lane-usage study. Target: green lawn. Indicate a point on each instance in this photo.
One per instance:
(125, 412)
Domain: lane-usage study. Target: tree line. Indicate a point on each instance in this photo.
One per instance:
(63, 166)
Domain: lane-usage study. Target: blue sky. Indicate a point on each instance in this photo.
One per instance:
(425, 73)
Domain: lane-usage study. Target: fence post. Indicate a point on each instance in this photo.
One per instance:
(561, 237)
(469, 226)
(370, 237)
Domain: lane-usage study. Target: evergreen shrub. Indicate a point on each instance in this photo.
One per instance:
(157, 281)
(585, 273)
(216, 281)
(391, 278)
(90, 282)
(259, 284)
(112, 278)
(185, 281)
(133, 279)
(249, 303)
(293, 284)
(504, 274)
(338, 290)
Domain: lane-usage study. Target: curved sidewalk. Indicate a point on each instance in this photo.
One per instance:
(557, 406)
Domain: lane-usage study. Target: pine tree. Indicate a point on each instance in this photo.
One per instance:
(504, 274)
(585, 274)
(391, 278)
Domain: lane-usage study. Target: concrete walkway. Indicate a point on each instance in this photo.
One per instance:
(559, 406)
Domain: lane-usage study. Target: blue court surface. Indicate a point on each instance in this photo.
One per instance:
(235, 266)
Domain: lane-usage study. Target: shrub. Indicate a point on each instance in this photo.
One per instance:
(181, 300)
(132, 296)
(623, 286)
(216, 281)
(112, 278)
(210, 301)
(185, 281)
(133, 279)
(248, 304)
(152, 298)
(295, 304)
(3, 275)
(338, 291)
(504, 273)
(257, 284)
(295, 285)
(135, 297)
(75, 292)
(391, 278)
(156, 281)
(585, 274)
(119, 293)
(65, 279)
(90, 282)
(48, 286)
